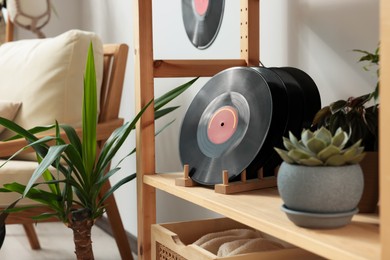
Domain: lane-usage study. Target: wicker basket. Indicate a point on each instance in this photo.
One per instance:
(173, 241)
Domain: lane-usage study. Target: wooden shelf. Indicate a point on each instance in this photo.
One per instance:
(192, 68)
(260, 209)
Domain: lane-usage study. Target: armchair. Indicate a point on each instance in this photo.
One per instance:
(61, 86)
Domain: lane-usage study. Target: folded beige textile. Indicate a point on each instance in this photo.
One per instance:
(245, 246)
(213, 241)
(226, 248)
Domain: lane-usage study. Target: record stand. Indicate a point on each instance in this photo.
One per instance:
(227, 187)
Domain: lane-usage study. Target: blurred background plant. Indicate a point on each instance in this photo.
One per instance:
(356, 115)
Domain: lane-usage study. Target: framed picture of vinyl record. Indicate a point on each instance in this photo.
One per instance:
(202, 20)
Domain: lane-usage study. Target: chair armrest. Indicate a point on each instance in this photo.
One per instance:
(104, 130)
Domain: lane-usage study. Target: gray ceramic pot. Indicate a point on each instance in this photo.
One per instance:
(326, 189)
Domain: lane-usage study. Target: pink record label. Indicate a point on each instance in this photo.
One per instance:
(222, 125)
(201, 6)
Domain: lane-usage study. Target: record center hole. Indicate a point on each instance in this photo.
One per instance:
(222, 124)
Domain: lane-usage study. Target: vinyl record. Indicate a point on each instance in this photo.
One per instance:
(202, 20)
(311, 95)
(226, 125)
(295, 111)
(278, 122)
(304, 102)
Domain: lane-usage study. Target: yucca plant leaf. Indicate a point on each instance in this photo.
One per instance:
(24, 133)
(38, 142)
(115, 187)
(116, 140)
(106, 176)
(34, 130)
(49, 178)
(162, 112)
(53, 154)
(89, 122)
(45, 216)
(41, 196)
(170, 95)
(73, 137)
(72, 155)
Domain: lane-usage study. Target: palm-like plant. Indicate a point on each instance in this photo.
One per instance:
(70, 169)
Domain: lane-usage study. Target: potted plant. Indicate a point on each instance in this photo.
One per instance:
(320, 180)
(74, 188)
(359, 116)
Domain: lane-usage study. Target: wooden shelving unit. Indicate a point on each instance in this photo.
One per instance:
(368, 237)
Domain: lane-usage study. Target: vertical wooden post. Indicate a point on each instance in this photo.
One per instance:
(146, 195)
(9, 31)
(250, 22)
(384, 129)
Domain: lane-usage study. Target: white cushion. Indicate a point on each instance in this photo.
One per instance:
(8, 110)
(46, 75)
(16, 171)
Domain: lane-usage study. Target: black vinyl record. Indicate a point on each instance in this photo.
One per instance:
(202, 20)
(226, 125)
(278, 122)
(311, 95)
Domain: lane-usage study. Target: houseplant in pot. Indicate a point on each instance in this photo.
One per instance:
(74, 176)
(359, 116)
(320, 180)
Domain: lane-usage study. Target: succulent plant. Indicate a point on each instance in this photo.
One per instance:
(321, 148)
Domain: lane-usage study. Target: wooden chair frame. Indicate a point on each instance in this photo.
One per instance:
(115, 59)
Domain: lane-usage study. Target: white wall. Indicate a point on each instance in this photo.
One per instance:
(314, 35)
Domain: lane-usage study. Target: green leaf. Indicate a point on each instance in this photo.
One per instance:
(284, 155)
(298, 154)
(116, 186)
(323, 134)
(316, 145)
(357, 159)
(337, 106)
(287, 143)
(310, 162)
(73, 137)
(164, 127)
(328, 152)
(321, 115)
(335, 160)
(170, 95)
(45, 216)
(306, 136)
(116, 140)
(53, 153)
(89, 113)
(162, 112)
(340, 138)
(24, 133)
